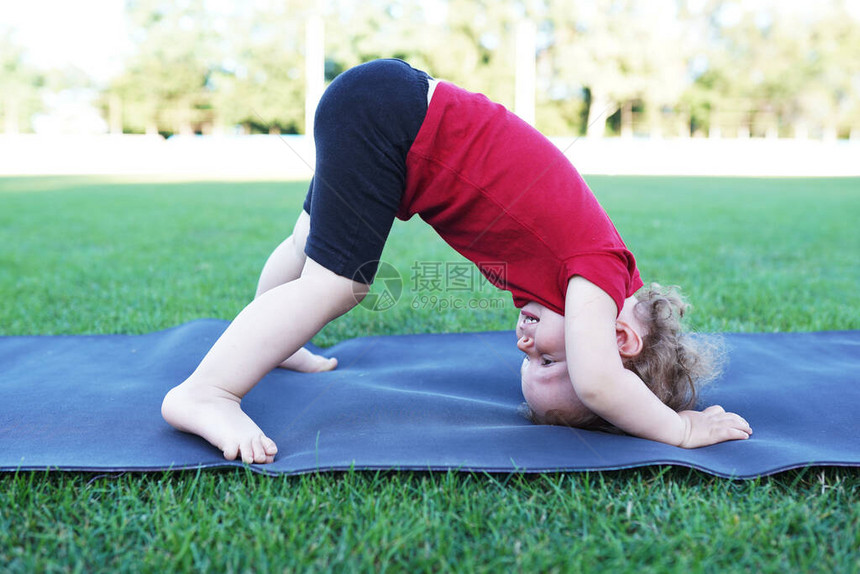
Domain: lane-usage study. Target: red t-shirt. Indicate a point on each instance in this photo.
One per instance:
(508, 200)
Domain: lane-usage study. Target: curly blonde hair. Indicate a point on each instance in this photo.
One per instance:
(673, 363)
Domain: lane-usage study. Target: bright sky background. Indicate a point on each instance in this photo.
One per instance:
(91, 34)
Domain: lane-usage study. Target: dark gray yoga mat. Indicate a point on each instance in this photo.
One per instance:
(436, 401)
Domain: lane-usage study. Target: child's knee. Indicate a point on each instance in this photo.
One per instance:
(339, 293)
(300, 233)
(360, 291)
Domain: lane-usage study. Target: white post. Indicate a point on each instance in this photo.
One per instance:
(715, 131)
(11, 116)
(524, 97)
(314, 69)
(115, 114)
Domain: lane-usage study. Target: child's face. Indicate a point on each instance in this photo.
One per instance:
(545, 380)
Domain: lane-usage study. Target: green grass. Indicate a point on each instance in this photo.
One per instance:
(95, 255)
(642, 521)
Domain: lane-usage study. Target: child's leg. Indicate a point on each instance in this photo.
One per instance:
(353, 199)
(285, 264)
(288, 259)
(271, 327)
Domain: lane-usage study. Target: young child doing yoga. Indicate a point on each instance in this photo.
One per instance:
(393, 142)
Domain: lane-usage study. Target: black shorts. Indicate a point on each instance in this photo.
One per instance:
(364, 125)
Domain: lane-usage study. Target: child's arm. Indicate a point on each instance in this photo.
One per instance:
(618, 395)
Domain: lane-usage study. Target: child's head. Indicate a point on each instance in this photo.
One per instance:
(671, 362)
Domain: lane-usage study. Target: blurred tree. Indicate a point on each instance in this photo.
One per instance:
(831, 95)
(754, 68)
(474, 46)
(20, 86)
(164, 85)
(616, 51)
(259, 80)
(468, 42)
(768, 71)
(206, 65)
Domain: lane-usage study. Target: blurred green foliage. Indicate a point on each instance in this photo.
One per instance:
(657, 67)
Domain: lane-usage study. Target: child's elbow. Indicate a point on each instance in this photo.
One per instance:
(598, 385)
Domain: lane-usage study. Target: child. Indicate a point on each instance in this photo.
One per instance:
(496, 191)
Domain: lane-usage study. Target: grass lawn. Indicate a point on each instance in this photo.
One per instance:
(96, 255)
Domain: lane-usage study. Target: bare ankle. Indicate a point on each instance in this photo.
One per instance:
(216, 415)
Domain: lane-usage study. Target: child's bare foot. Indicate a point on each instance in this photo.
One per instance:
(216, 415)
(304, 361)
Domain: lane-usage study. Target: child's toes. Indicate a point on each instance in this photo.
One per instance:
(231, 451)
(246, 451)
(329, 364)
(319, 364)
(269, 446)
(259, 452)
(262, 447)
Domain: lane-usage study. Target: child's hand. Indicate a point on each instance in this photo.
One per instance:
(711, 426)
